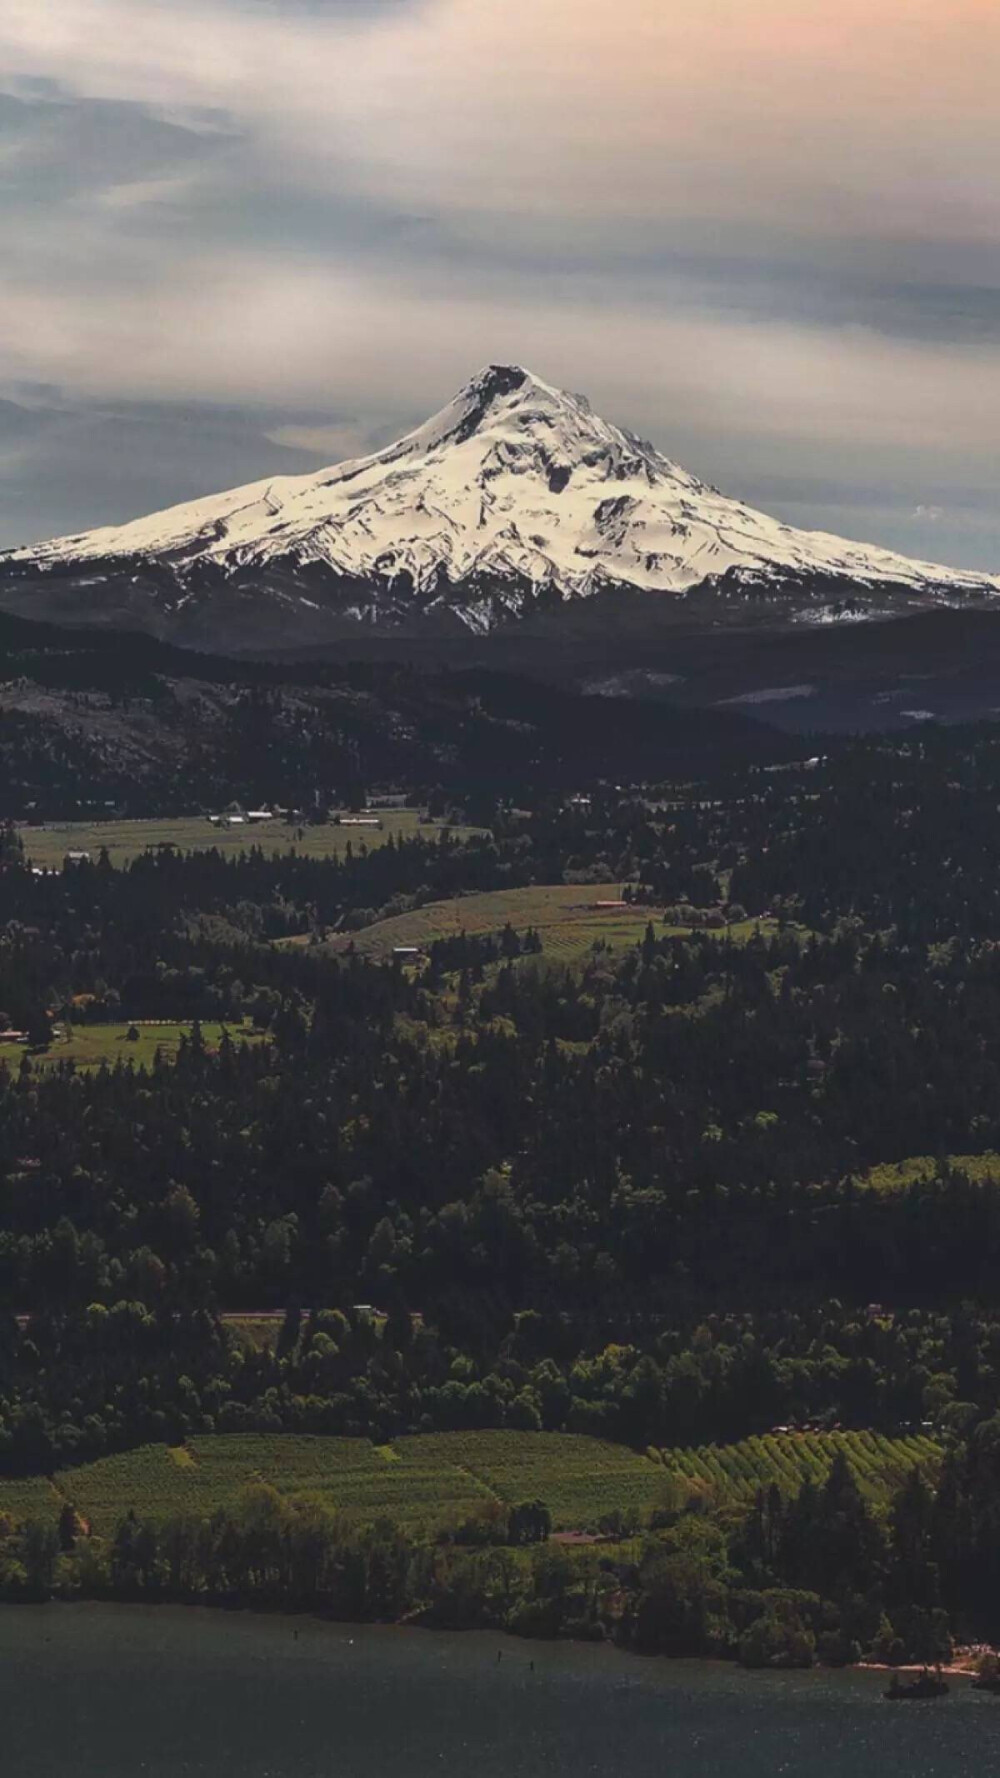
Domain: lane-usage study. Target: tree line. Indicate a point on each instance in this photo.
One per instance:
(814, 1576)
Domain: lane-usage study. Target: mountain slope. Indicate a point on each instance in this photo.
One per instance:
(514, 501)
(92, 718)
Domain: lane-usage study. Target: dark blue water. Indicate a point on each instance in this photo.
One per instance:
(114, 1692)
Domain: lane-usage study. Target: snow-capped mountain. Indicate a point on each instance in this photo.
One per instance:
(514, 501)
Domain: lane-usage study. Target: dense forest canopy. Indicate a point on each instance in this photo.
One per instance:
(743, 1171)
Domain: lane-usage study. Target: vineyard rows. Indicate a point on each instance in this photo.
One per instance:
(28, 1497)
(438, 1479)
(734, 1473)
(580, 1479)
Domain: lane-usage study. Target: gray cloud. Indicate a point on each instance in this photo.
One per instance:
(92, 465)
(53, 149)
(241, 236)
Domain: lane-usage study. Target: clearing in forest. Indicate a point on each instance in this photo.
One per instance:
(568, 917)
(89, 1045)
(48, 845)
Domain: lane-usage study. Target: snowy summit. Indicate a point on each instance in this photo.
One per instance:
(516, 499)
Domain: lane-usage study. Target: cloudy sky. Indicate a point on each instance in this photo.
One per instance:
(245, 236)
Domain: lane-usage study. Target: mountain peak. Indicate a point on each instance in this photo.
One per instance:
(508, 403)
(500, 379)
(513, 384)
(495, 391)
(515, 492)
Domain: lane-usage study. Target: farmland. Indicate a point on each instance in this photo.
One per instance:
(732, 1474)
(47, 846)
(437, 1480)
(350, 1474)
(580, 1479)
(29, 1497)
(565, 915)
(88, 1046)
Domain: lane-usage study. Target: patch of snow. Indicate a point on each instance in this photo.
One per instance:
(771, 694)
(629, 684)
(834, 614)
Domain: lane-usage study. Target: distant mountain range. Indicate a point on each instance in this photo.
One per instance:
(514, 507)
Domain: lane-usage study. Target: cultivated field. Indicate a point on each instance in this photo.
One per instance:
(579, 1479)
(360, 1478)
(47, 846)
(564, 914)
(90, 1045)
(733, 1473)
(29, 1497)
(438, 1479)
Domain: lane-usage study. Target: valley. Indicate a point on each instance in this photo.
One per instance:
(384, 1219)
(506, 1137)
(499, 889)
(48, 844)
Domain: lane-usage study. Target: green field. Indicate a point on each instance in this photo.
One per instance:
(732, 1474)
(90, 1045)
(579, 1479)
(438, 1479)
(353, 1475)
(564, 914)
(29, 1497)
(47, 846)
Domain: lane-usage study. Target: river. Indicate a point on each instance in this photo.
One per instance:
(110, 1691)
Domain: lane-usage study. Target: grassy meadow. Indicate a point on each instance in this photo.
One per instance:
(47, 846)
(89, 1045)
(565, 915)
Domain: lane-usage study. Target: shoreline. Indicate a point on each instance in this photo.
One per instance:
(961, 1666)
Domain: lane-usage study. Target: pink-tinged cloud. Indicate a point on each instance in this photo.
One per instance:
(823, 115)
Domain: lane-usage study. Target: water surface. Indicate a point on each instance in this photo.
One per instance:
(115, 1691)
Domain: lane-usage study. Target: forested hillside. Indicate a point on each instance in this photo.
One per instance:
(92, 719)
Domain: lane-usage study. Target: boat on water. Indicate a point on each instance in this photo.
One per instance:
(926, 1685)
(987, 1675)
